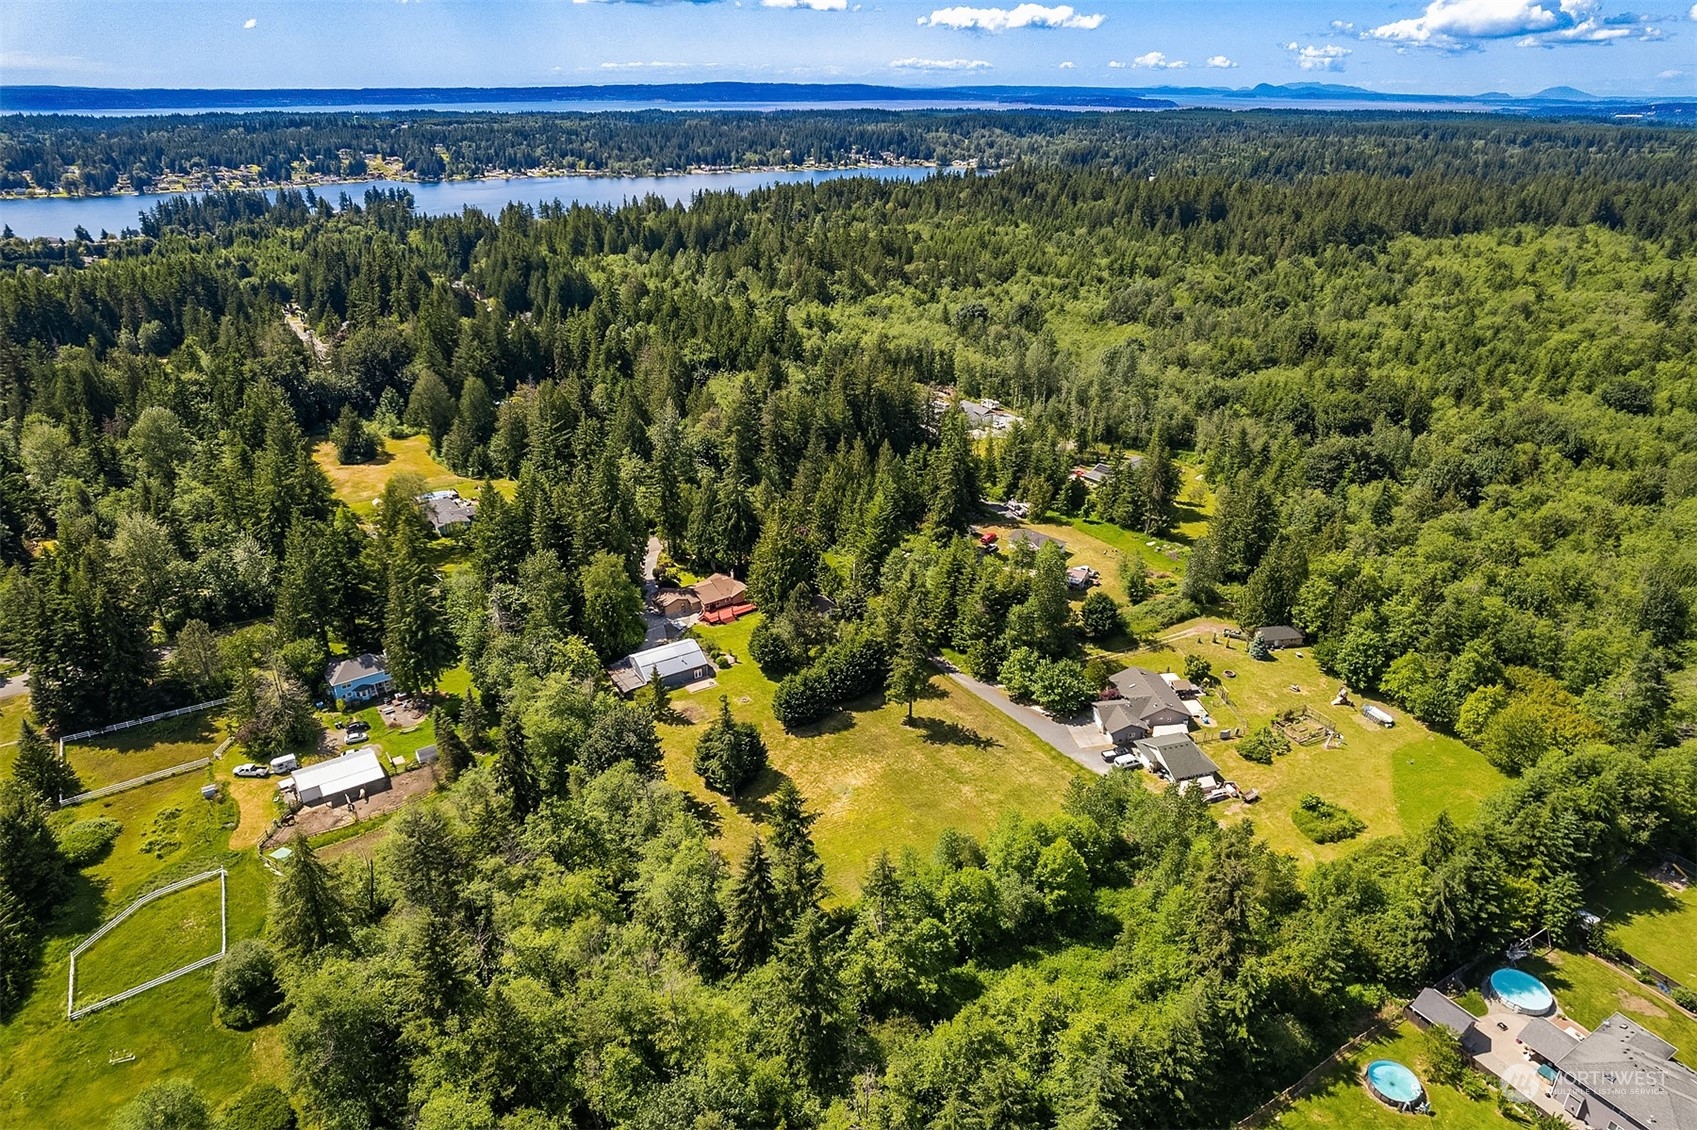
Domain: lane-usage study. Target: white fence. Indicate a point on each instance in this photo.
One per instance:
(133, 722)
(136, 782)
(75, 1013)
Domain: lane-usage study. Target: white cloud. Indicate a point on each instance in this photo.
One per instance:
(1672, 73)
(1328, 57)
(1220, 63)
(1693, 12)
(1067, 66)
(962, 18)
(1157, 61)
(250, 25)
(1116, 65)
(815, 5)
(940, 64)
(654, 64)
(1460, 25)
(1342, 25)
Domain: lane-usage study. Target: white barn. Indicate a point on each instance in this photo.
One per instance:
(352, 776)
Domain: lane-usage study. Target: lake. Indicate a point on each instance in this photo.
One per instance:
(60, 217)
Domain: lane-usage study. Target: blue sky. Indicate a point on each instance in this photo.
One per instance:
(1439, 46)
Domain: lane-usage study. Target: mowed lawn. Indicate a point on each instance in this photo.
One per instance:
(13, 711)
(54, 1072)
(1590, 990)
(1340, 1100)
(1395, 780)
(111, 758)
(1653, 923)
(359, 484)
(875, 783)
(168, 933)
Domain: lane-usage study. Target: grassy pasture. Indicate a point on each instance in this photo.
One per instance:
(54, 1072)
(875, 783)
(1340, 1099)
(1589, 990)
(111, 758)
(166, 934)
(359, 483)
(1395, 780)
(1654, 924)
(13, 711)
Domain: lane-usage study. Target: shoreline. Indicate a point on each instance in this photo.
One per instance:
(539, 174)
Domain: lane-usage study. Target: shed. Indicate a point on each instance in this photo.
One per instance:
(1181, 758)
(1277, 636)
(1433, 1008)
(680, 663)
(427, 755)
(351, 776)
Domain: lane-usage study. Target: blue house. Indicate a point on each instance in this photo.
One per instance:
(359, 678)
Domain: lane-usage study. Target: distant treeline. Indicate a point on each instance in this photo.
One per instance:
(88, 155)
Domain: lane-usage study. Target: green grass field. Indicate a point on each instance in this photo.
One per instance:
(54, 1072)
(166, 934)
(1589, 990)
(111, 758)
(875, 783)
(1395, 780)
(359, 484)
(1654, 924)
(1340, 1100)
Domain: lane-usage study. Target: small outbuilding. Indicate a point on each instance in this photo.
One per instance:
(679, 663)
(446, 511)
(1434, 1008)
(1278, 636)
(1179, 758)
(352, 776)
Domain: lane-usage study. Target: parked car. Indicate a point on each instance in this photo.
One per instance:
(249, 769)
(1110, 753)
(358, 732)
(1128, 761)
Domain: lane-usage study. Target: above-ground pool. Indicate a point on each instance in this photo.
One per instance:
(1393, 1083)
(1521, 992)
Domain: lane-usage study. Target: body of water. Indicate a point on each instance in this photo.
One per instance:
(54, 217)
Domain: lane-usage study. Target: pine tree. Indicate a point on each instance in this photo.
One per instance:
(659, 696)
(513, 775)
(38, 768)
(474, 723)
(751, 911)
(910, 666)
(307, 913)
(453, 755)
(17, 954)
(806, 1016)
(416, 637)
(799, 874)
(954, 479)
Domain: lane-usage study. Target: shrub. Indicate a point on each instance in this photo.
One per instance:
(1166, 610)
(1684, 998)
(1059, 687)
(1100, 615)
(729, 754)
(1199, 671)
(1262, 745)
(245, 985)
(802, 698)
(262, 1106)
(1325, 822)
(772, 651)
(849, 669)
(88, 841)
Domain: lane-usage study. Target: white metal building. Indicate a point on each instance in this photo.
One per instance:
(351, 776)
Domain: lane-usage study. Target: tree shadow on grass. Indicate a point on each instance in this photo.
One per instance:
(754, 802)
(939, 731)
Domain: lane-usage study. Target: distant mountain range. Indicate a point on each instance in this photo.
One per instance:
(1558, 100)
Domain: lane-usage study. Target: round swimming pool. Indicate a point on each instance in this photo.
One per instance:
(1522, 992)
(1393, 1083)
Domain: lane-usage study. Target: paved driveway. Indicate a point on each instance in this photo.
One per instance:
(14, 685)
(1074, 741)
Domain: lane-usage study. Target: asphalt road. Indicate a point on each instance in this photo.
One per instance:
(1036, 721)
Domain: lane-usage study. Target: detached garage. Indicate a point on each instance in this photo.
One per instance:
(353, 776)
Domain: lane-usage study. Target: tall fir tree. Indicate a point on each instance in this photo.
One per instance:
(513, 773)
(799, 874)
(751, 911)
(39, 770)
(307, 914)
(416, 636)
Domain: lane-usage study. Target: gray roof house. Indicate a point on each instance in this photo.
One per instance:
(1432, 1007)
(1546, 1041)
(445, 510)
(680, 663)
(1146, 701)
(1276, 636)
(1036, 540)
(1622, 1077)
(1179, 757)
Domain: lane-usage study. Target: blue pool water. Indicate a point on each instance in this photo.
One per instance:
(1522, 992)
(1393, 1081)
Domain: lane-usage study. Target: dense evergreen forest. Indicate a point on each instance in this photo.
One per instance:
(83, 156)
(1438, 375)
